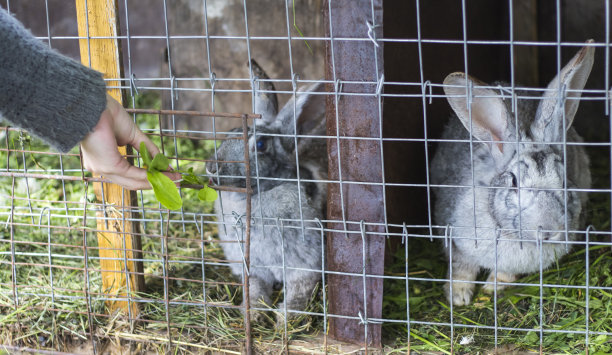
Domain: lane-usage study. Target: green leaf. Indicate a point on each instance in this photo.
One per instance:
(207, 194)
(144, 154)
(191, 178)
(160, 162)
(165, 190)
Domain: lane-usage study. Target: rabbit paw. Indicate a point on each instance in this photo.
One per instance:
(462, 293)
(501, 277)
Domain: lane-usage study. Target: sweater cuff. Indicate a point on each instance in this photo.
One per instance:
(73, 100)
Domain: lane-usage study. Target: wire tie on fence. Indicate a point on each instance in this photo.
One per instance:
(237, 218)
(588, 231)
(319, 223)
(196, 224)
(404, 233)
(172, 88)
(133, 87)
(371, 32)
(447, 234)
(501, 91)
(294, 79)
(46, 208)
(213, 80)
(364, 321)
(424, 87)
(380, 85)
(338, 86)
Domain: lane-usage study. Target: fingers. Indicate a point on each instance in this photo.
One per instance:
(140, 137)
(136, 180)
(100, 155)
(126, 131)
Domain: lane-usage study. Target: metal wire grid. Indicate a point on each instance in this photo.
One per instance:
(77, 216)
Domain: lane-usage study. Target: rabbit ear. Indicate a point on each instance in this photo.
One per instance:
(266, 102)
(489, 115)
(548, 123)
(309, 110)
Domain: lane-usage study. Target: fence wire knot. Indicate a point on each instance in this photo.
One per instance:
(133, 86)
(371, 32)
(213, 80)
(173, 87)
(424, 87)
(294, 79)
(448, 232)
(365, 321)
(338, 86)
(380, 85)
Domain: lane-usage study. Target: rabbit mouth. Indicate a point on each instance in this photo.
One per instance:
(210, 179)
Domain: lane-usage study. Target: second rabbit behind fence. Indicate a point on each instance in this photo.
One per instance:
(511, 197)
(285, 241)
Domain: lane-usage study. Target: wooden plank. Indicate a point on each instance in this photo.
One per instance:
(97, 18)
(525, 29)
(358, 116)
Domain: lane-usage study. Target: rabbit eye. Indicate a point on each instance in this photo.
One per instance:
(513, 180)
(260, 145)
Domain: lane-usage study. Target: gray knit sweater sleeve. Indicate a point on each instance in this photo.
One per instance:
(52, 96)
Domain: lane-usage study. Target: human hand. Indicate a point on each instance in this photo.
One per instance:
(100, 154)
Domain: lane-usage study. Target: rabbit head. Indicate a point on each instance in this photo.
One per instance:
(271, 140)
(526, 153)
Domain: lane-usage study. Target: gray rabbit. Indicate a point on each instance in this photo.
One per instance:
(276, 195)
(525, 167)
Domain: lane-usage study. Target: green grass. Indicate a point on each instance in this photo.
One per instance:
(517, 307)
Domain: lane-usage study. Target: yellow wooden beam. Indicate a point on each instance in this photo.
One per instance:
(97, 18)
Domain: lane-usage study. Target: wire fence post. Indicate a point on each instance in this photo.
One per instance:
(355, 116)
(118, 246)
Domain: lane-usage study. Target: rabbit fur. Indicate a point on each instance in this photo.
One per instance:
(280, 251)
(523, 172)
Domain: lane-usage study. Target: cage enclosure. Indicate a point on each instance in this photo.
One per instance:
(389, 176)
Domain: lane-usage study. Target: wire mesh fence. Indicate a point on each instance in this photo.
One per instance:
(349, 207)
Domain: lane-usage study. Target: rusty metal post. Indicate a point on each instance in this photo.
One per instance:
(355, 160)
(247, 239)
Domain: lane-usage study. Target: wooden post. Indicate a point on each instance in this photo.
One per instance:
(97, 18)
(358, 160)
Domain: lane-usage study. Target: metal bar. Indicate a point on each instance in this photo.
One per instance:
(247, 242)
(192, 113)
(356, 117)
